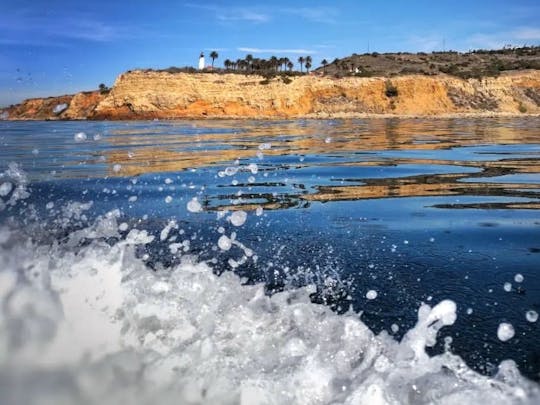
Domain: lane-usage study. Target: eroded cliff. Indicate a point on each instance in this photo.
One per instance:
(149, 94)
(70, 107)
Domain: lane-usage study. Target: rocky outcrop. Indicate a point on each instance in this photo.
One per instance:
(149, 94)
(68, 107)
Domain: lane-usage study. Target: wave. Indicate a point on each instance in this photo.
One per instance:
(85, 320)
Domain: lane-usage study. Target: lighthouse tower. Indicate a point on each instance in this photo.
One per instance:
(201, 61)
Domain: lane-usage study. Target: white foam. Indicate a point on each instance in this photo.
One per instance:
(13, 184)
(5, 188)
(90, 323)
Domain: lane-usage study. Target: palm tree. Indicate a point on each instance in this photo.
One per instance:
(285, 63)
(301, 61)
(249, 59)
(324, 62)
(213, 55)
(282, 63)
(290, 65)
(308, 66)
(227, 63)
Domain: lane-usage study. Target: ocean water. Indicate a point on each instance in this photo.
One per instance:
(269, 262)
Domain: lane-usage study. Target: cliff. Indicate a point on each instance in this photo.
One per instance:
(71, 107)
(163, 95)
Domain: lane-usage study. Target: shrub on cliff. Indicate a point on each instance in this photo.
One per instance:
(103, 89)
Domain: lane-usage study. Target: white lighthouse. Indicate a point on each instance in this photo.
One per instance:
(201, 61)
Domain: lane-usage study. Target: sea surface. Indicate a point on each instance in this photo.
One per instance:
(306, 261)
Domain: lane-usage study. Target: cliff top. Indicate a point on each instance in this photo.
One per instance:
(473, 64)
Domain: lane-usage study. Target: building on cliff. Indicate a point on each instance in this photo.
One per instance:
(201, 61)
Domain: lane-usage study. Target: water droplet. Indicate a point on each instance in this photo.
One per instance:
(505, 331)
(224, 242)
(253, 168)
(371, 294)
(80, 137)
(194, 205)
(532, 316)
(238, 218)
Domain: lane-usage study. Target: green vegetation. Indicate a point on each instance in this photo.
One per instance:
(301, 61)
(103, 89)
(214, 55)
(475, 64)
(324, 62)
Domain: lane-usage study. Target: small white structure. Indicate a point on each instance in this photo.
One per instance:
(201, 61)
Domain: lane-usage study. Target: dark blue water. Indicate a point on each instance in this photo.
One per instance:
(417, 210)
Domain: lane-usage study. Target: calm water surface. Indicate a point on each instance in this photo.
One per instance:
(416, 210)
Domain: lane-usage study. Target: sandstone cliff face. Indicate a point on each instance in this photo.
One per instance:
(147, 95)
(141, 94)
(78, 106)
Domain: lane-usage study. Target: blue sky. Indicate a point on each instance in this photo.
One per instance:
(55, 47)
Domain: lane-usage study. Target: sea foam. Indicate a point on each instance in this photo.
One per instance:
(90, 323)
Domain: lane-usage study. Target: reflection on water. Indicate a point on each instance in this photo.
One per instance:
(418, 210)
(319, 160)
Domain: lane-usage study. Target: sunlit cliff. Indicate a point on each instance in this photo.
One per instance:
(149, 94)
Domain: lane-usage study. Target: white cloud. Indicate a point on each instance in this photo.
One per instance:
(46, 30)
(527, 34)
(242, 15)
(426, 43)
(327, 15)
(228, 14)
(518, 37)
(277, 51)
(264, 14)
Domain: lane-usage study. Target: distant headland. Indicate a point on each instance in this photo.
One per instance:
(497, 82)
